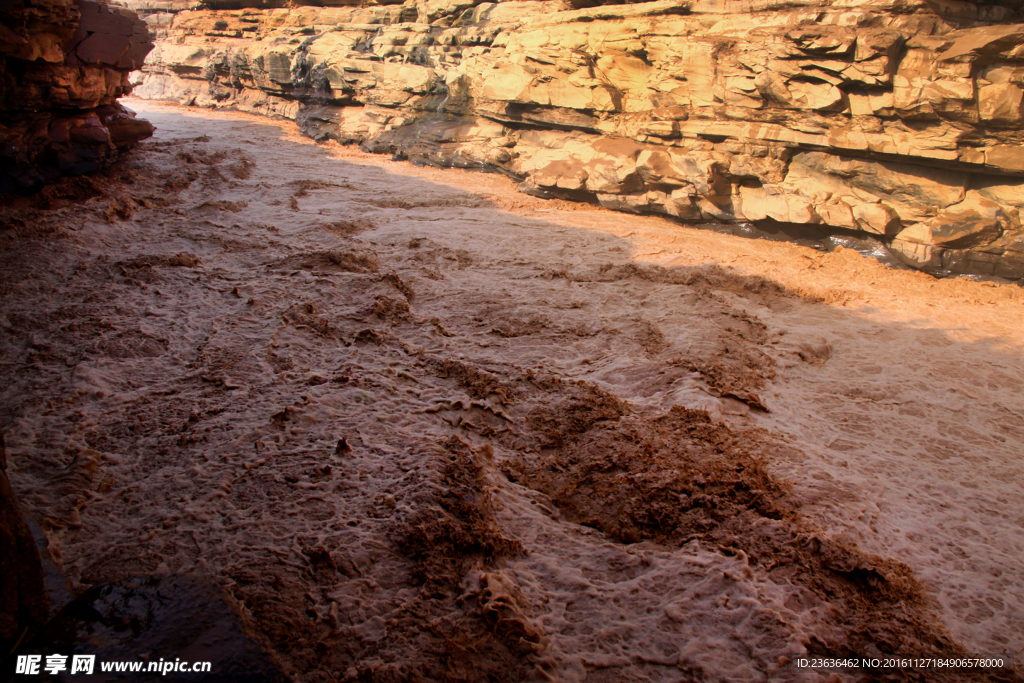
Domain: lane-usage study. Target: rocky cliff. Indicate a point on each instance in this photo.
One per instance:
(63, 64)
(899, 119)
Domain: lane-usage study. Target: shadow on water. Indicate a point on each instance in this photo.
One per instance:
(430, 141)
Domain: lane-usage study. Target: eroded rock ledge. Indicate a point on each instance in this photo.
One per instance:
(63, 64)
(902, 119)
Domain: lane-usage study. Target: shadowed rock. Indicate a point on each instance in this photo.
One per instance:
(62, 67)
(22, 598)
(169, 618)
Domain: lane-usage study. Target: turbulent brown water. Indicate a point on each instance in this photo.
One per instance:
(427, 428)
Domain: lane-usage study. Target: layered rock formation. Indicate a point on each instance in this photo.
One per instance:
(899, 119)
(63, 64)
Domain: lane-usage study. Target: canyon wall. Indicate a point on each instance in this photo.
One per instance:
(63, 64)
(899, 119)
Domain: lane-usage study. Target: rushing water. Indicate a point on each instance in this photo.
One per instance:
(398, 410)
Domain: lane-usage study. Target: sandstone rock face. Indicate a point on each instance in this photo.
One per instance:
(903, 120)
(63, 64)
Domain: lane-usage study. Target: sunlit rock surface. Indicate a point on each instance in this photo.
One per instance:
(63, 64)
(902, 120)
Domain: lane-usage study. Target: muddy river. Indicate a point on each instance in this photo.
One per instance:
(425, 427)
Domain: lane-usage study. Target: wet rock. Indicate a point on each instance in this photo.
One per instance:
(23, 604)
(916, 254)
(169, 618)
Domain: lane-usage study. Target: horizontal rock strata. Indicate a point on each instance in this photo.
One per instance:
(899, 119)
(63, 64)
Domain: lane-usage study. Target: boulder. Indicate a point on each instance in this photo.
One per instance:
(976, 221)
(877, 218)
(916, 254)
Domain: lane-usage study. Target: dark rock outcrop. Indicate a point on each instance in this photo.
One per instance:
(23, 605)
(176, 618)
(63, 64)
(900, 120)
